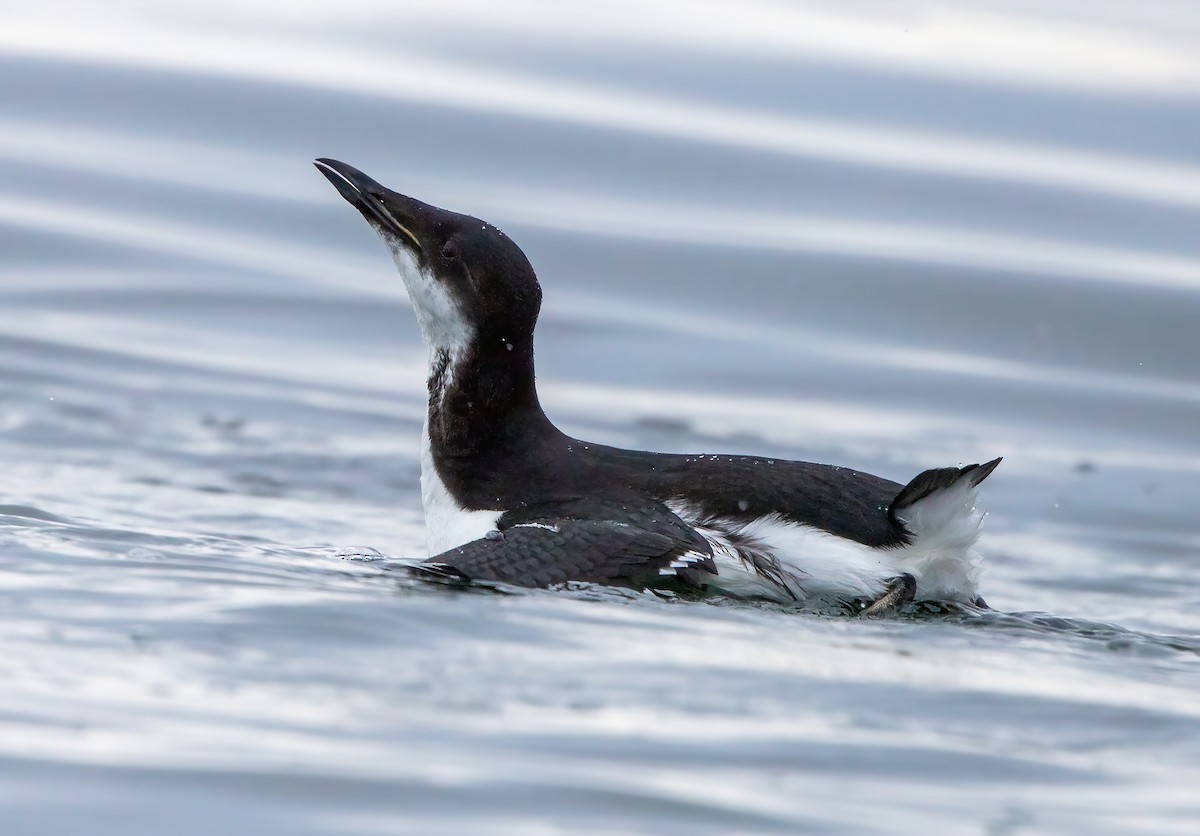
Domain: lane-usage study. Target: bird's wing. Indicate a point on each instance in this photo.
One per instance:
(648, 548)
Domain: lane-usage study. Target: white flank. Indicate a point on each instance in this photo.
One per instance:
(813, 563)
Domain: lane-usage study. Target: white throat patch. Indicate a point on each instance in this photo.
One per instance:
(443, 326)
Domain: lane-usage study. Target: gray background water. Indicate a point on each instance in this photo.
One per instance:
(886, 235)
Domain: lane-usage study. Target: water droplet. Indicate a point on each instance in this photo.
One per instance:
(494, 535)
(743, 505)
(508, 346)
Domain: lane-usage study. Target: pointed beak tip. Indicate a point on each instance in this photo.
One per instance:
(341, 176)
(356, 187)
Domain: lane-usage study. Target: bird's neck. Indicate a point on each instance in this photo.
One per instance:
(482, 397)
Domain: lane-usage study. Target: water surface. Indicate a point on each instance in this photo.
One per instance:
(889, 237)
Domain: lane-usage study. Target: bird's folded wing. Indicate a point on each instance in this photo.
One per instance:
(555, 550)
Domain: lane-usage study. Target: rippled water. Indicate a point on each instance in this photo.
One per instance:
(886, 236)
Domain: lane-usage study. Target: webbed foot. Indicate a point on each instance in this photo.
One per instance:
(899, 594)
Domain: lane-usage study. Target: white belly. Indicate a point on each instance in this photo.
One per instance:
(447, 524)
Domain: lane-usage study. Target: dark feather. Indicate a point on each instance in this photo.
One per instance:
(628, 551)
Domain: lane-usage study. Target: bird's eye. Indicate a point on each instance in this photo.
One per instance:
(449, 250)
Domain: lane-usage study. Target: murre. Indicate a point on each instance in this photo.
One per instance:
(510, 498)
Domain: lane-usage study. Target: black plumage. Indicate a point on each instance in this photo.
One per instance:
(568, 509)
(559, 550)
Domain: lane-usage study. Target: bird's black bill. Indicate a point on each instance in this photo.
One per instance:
(345, 178)
(381, 207)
